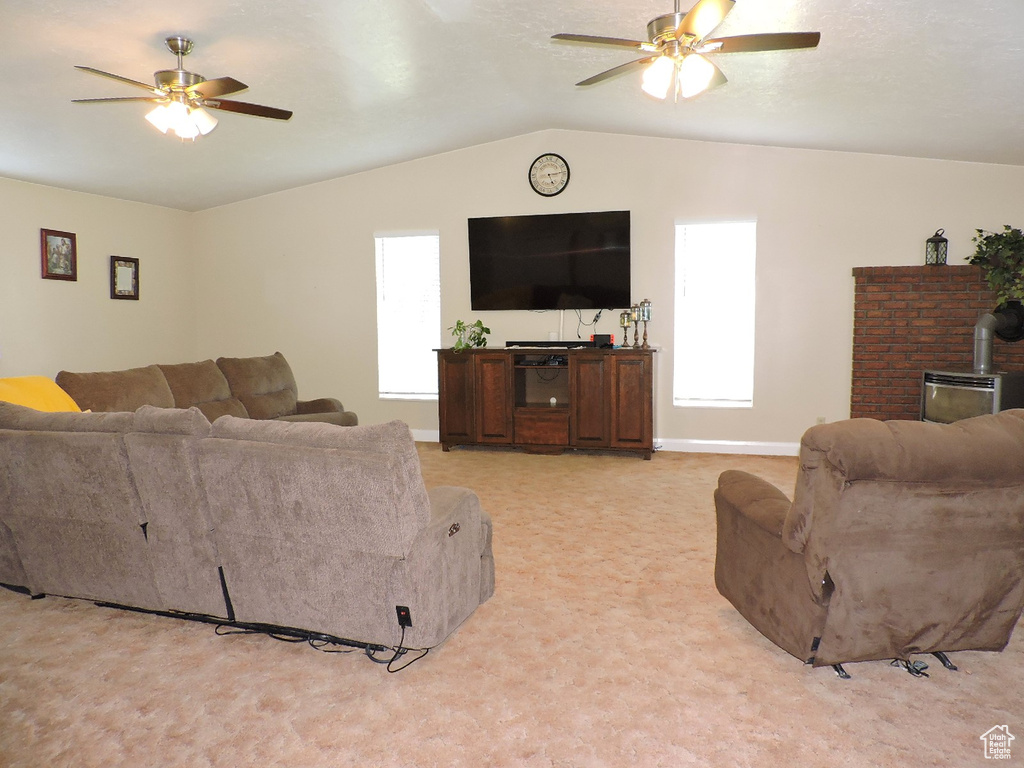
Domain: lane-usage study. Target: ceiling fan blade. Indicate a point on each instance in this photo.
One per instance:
(245, 108)
(127, 80)
(151, 99)
(702, 18)
(621, 69)
(638, 45)
(769, 41)
(219, 86)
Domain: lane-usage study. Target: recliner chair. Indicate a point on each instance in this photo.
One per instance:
(902, 538)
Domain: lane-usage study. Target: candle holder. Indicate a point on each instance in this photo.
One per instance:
(624, 320)
(634, 315)
(645, 315)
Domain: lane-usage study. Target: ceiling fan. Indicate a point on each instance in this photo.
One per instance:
(182, 97)
(679, 43)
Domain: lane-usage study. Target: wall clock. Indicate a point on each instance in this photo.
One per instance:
(549, 174)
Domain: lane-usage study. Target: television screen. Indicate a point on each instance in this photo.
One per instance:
(550, 261)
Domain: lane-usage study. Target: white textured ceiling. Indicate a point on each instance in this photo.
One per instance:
(374, 82)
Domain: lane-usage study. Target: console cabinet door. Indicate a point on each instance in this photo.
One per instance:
(493, 385)
(589, 423)
(456, 410)
(630, 401)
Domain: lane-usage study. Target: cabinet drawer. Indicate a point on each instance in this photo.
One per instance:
(542, 427)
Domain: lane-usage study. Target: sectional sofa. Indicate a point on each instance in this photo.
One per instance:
(257, 521)
(247, 387)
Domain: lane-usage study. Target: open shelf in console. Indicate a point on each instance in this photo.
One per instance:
(539, 377)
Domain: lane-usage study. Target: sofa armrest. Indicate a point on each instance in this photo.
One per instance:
(756, 499)
(320, 405)
(446, 566)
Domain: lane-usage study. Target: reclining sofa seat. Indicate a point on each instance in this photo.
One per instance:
(74, 515)
(903, 537)
(330, 530)
(311, 527)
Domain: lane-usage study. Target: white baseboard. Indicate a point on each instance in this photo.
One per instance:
(683, 446)
(426, 435)
(747, 447)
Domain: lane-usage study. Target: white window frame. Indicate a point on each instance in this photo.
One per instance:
(410, 338)
(714, 314)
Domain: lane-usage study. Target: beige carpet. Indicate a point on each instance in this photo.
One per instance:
(606, 644)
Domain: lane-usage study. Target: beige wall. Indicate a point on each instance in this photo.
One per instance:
(300, 264)
(294, 271)
(49, 325)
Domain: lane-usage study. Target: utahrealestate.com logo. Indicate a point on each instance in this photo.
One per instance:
(997, 742)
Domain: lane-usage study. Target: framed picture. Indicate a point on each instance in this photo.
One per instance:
(124, 278)
(59, 254)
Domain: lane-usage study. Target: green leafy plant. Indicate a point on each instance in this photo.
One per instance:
(1001, 257)
(469, 335)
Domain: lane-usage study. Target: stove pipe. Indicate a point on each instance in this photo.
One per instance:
(983, 330)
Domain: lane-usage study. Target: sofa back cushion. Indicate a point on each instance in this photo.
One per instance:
(117, 390)
(355, 488)
(264, 385)
(202, 385)
(71, 506)
(986, 452)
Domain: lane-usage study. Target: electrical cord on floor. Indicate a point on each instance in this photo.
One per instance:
(321, 643)
(400, 651)
(225, 629)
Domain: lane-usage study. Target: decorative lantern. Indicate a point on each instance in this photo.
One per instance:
(645, 316)
(935, 248)
(625, 320)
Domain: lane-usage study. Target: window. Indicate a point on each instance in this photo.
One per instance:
(408, 315)
(714, 315)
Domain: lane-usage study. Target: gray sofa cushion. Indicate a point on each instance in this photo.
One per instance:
(202, 385)
(71, 506)
(117, 390)
(372, 478)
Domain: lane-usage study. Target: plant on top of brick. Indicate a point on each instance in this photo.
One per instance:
(1001, 257)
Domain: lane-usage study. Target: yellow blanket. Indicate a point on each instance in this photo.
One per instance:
(36, 392)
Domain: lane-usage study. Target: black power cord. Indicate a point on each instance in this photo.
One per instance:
(400, 651)
(580, 323)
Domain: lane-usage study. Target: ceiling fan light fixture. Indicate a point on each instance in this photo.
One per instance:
(186, 129)
(695, 75)
(657, 78)
(203, 120)
(159, 118)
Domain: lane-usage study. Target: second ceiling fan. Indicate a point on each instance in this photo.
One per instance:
(678, 45)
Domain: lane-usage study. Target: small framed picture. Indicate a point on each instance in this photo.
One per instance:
(124, 278)
(59, 254)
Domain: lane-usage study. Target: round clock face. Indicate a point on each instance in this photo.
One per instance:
(549, 174)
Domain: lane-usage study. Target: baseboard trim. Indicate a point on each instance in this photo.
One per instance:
(745, 447)
(426, 435)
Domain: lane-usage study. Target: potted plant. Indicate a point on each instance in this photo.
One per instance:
(1001, 257)
(469, 335)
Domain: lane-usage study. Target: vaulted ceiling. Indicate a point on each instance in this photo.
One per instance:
(374, 82)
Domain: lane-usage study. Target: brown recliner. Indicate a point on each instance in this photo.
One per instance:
(903, 537)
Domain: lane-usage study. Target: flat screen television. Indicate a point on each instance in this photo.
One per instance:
(550, 261)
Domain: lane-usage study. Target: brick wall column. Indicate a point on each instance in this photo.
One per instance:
(911, 319)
